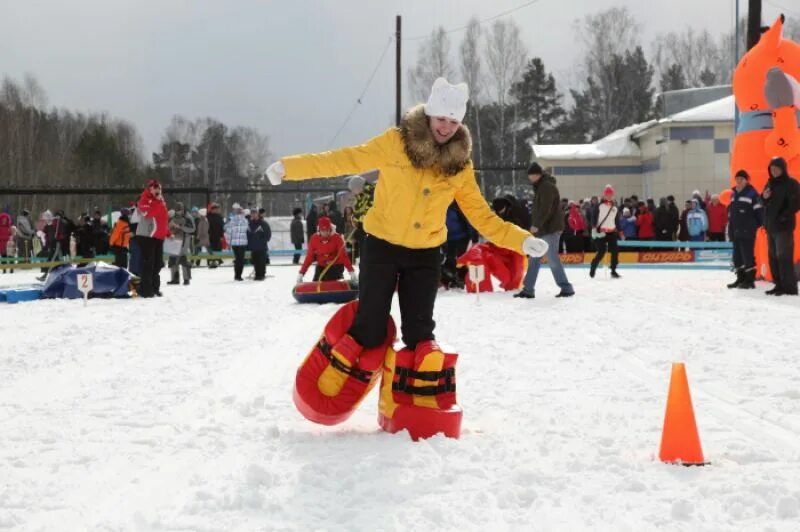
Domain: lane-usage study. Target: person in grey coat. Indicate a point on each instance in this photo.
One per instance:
(25, 234)
(297, 233)
(182, 227)
(203, 238)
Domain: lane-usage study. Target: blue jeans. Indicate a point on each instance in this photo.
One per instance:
(534, 263)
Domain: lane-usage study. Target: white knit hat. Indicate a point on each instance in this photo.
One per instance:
(448, 100)
(236, 207)
(356, 182)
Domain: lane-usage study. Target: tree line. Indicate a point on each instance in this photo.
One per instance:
(515, 100)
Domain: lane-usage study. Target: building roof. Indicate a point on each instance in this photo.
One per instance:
(621, 144)
(721, 110)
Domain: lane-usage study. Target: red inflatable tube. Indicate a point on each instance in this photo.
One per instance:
(325, 292)
(337, 374)
(418, 393)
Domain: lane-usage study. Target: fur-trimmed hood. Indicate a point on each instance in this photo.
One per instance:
(424, 152)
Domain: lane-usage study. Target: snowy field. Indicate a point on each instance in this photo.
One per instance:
(176, 414)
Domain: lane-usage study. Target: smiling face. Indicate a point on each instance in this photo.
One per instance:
(443, 128)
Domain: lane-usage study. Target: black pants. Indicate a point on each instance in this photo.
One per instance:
(259, 260)
(780, 246)
(415, 274)
(238, 261)
(334, 273)
(743, 253)
(608, 243)
(120, 256)
(152, 260)
(296, 256)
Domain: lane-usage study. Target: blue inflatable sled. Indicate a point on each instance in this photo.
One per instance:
(109, 281)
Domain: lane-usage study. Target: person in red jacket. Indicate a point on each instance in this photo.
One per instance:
(327, 246)
(717, 219)
(645, 223)
(153, 228)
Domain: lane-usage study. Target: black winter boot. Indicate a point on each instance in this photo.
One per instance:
(748, 280)
(739, 279)
(175, 277)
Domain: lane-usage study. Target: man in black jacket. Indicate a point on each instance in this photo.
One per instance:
(781, 203)
(259, 234)
(216, 230)
(745, 216)
(547, 222)
(297, 233)
(664, 222)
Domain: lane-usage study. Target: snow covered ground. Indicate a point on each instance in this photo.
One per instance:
(176, 413)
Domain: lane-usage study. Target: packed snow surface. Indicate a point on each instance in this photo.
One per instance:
(176, 413)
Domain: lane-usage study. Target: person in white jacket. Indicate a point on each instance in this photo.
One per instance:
(605, 233)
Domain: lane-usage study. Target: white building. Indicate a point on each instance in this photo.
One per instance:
(687, 151)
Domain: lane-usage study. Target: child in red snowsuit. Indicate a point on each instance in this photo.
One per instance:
(327, 246)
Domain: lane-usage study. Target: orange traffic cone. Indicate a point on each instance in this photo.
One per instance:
(680, 441)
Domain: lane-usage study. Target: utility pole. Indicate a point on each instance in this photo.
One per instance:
(397, 41)
(753, 23)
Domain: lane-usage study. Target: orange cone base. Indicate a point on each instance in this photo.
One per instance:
(422, 423)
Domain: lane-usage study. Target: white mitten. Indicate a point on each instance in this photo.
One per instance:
(275, 173)
(353, 276)
(535, 247)
(299, 278)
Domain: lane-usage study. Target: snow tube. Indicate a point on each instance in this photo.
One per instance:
(108, 280)
(325, 292)
(418, 392)
(337, 374)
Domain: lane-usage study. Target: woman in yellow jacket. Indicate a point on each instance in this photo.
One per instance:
(424, 164)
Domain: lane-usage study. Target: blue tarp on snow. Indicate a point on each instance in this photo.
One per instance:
(109, 281)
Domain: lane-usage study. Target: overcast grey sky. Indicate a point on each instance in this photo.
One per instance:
(292, 69)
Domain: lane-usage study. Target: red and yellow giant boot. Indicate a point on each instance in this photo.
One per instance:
(418, 392)
(338, 373)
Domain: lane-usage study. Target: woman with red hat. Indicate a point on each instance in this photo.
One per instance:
(327, 247)
(605, 232)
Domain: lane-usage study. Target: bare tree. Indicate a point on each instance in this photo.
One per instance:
(433, 61)
(697, 52)
(471, 72)
(506, 56)
(607, 36)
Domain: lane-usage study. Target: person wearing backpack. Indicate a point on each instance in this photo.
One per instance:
(576, 228)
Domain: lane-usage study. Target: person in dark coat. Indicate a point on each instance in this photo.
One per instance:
(664, 222)
(100, 234)
(683, 233)
(336, 217)
(259, 234)
(311, 221)
(781, 203)
(216, 230)
(459, 235)
(745, 216)
(547, 222)
(675, 213)
(85, 235)
(297, 234)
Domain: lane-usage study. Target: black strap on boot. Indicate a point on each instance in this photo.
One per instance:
(359, 374)
(406, 374)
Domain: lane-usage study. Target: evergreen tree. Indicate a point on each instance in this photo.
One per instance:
(539, 104)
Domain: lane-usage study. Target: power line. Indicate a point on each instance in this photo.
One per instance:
(460, 28)
(773, 4)
(363, 92)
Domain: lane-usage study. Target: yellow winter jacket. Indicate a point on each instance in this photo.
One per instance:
(410, 203)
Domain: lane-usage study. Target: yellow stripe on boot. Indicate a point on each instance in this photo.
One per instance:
(433, 361)
(386, 404)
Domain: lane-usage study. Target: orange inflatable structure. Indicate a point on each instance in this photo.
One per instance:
(769, 124)
(507, 266)
(337, 375)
